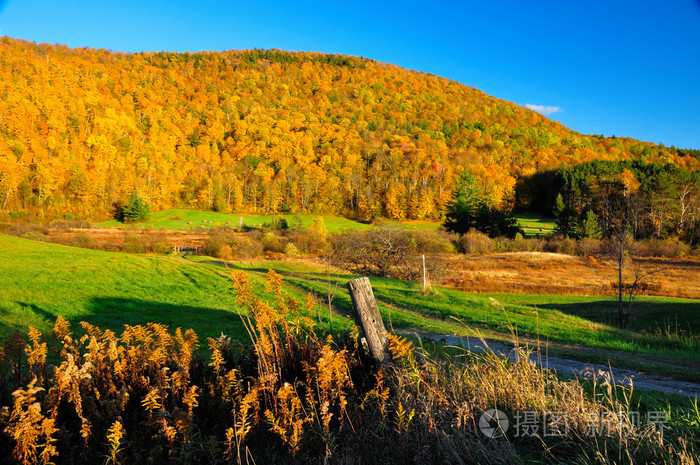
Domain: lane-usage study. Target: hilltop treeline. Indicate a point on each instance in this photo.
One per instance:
(655, 200)
(264, 131)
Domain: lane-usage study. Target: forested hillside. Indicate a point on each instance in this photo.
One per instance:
(264, 131)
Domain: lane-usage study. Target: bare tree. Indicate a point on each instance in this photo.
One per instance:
(383, 251)
(617, 247)
(618, 208)
(615, 212)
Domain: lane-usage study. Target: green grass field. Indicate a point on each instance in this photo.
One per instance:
(571, 320)
(179, 218)
(40, 281)
(535, 225)
(191, 219)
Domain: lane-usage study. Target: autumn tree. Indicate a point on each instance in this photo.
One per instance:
(280, 132)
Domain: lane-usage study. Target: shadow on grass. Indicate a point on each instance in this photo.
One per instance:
(645, 316)
(115, 312)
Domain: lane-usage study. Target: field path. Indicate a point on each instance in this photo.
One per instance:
(567, 367)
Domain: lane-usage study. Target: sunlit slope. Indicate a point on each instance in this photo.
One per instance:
(40, 281)
(263, 132)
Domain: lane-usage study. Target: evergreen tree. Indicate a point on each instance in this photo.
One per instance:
(461, 214)
(468, 210)
(566, 218)
(589, 226)
(134, 210)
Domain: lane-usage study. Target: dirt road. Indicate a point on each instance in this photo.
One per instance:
(566, 367)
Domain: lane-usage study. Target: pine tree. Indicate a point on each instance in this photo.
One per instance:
(565, 217)
(134, 210)
(590, 226)
(462, 211)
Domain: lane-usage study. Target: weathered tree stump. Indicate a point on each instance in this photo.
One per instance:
(369, 317)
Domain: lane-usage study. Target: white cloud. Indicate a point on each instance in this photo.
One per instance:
(544, 109)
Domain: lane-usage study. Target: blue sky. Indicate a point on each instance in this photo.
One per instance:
(628, 68)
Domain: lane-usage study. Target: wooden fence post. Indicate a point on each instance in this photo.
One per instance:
(368, 314)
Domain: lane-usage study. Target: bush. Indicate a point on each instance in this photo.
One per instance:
(271, 242)
(157, 243)
(433, 241)
(475, 243)
(309, 241)
(588, 246)
(558, 244)
(34, 236)
(134, 243)
(225, 252)
(20, 229)
(671, 248)
(277, 223)
(245, 247)
(63, 225)
(383, 251)
(519, 244)
(213, 245)
(230, 246)
(290, 250)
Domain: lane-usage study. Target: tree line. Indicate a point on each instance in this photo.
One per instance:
(649, 199)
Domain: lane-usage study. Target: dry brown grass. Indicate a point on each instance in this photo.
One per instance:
(550, 273)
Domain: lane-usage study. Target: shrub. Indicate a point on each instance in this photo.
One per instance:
(475, 243)
(558, 244)
(34, 236)
(671, 248)
(134, 243)
(519, 244)
(157, 242)
(271, 242)
(277, 223)
(382, 251)
(229, 245)
(588, 246)
(308, 241)
(225, 252)
(63, 225)
(213, 245)
(433, 241)
(246, 247)
(290, 250)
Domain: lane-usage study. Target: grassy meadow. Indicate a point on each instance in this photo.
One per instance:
(571, 320)
(183, 219)
(180, 218)
(535, 225)
(40, 281)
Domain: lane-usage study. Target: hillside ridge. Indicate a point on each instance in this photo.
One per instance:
(264, 131)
